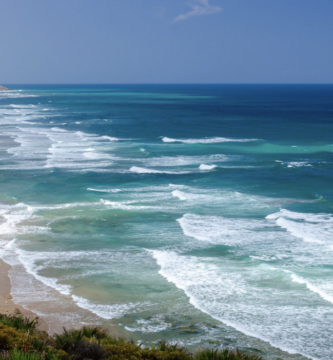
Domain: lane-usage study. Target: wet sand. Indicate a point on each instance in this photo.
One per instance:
(7, 304)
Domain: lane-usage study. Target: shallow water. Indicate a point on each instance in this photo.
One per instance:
(197, 214)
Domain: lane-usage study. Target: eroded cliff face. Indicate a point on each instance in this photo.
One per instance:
(2, 88)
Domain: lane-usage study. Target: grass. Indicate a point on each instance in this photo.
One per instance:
(20, 339)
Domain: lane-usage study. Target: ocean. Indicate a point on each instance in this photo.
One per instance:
(197, 214)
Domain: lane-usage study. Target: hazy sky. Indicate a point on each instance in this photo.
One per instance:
(166, 41)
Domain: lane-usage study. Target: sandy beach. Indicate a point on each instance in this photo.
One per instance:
(7, 304)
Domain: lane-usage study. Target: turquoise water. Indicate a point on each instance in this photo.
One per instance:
(197, 214)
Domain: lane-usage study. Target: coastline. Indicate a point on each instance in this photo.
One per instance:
(77, 262)
(8, 305)
(54, 313)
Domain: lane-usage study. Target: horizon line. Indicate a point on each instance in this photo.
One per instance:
(97, 83)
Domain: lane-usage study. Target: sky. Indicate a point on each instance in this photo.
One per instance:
(166, 41)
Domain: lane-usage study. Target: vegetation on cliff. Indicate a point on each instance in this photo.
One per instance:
(20, 339)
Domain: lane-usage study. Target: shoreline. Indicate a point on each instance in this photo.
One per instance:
(8, 304)
(52, 316)
(48, 272)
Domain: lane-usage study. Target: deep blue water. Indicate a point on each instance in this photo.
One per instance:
(199, 214)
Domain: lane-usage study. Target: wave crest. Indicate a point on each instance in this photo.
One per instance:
(206, 140)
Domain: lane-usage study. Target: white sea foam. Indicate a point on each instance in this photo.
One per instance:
(126, 205)
(44, 300)
(14, 216)
(291, 164)
(97, 156)
(182, 160)
(109, 138)
(316, 289)
(32, 151)
(207, 140)
(65, 206)
(55, 147)
(179, 194)
(105, 190)
(77, 151)
(29, 261)
(59, 129)
(231, 296)
(222, 230)
(207, 167)
(196, 197)
(298, 164)
(145, 190)
(106, 311)
(15, 94)
(27, 106)
(316, 228)
(33, 262)
(153, 325)
(140, 170)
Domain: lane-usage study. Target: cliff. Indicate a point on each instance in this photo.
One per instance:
(2, 88)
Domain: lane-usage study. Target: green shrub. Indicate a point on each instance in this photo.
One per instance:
(66, 340)
(29, 343)
(56, 354)
(122, 351)
(85, 350)
(19, 322)
(94, 332)
(20, 355)
(73, 343)
(20, 340)
(225, 354)
(11, 338)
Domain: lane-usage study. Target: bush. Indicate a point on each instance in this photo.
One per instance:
(28, 344)
(11, 338)
(73, 343)
(20, 340)
(75, 335)
(225, 354)
(94, 332)
(19, 322)
(19, 355)
(66, 340)
(123, 350)
(84, 350)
